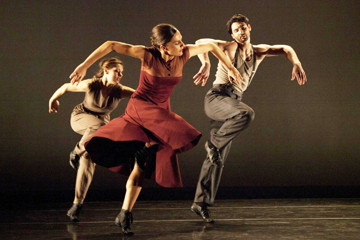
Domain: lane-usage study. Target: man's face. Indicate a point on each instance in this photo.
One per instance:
(241, 32)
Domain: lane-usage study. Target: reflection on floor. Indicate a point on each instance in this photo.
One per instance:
(234, 219)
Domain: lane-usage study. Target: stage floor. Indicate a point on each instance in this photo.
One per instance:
(172, 220)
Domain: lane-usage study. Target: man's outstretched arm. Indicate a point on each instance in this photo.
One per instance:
(263, 50)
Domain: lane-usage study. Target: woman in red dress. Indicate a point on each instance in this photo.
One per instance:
(148, 133)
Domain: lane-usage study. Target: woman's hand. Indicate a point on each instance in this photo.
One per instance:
(54, 105)
(78, 74)
(203, 75)
(234, 75)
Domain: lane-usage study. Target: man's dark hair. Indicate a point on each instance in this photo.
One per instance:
(236, 18)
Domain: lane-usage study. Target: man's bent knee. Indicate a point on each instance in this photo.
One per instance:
(251, 114)
(218, 163)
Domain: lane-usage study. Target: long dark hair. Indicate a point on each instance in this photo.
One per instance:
(107, 63)
(161, 34)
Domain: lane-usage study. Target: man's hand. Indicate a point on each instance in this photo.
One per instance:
(203, 75)
(299, 73)
(78, 74)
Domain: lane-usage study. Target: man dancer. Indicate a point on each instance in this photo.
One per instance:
(223, 105)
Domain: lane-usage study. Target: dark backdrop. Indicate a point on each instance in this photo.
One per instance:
(302, 135)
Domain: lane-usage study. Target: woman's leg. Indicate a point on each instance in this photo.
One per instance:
(84, 178)
(136, 179)
(133, 187)
(86, 125)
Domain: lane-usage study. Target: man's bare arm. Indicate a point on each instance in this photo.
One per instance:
(264, 50)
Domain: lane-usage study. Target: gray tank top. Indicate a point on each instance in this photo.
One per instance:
(96, 103)
(247, 70)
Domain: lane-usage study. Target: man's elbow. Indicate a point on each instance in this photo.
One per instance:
(198, 41)
(202, 41)
(287, 49)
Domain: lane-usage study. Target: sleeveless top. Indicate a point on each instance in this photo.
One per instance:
(98, 104)
(247, 70)
(159, 78)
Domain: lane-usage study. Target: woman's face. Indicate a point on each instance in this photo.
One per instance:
(175, 46)
(115, 74)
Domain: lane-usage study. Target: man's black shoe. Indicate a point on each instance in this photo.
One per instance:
(203, 212)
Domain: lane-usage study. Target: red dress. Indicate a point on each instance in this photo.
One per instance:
(148, 118)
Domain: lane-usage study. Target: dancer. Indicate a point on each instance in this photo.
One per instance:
(229, 115)
(148, 130)
(102, 95)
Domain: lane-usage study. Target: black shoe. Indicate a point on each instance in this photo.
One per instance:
(203, 212)
(74, 212)
(74, 160)
(123, 220)
(214, 155)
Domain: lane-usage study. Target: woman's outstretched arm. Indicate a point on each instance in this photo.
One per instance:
(126, 91)
(107, 47)
(218, 53)
(67, 87)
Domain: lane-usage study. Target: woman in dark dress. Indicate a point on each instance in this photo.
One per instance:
(148, 130)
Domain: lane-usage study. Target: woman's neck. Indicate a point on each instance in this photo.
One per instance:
(166, 56)
(105, 81)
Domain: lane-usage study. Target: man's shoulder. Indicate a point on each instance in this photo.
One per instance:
(229, 46)
(261, 51)
(261, 47)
